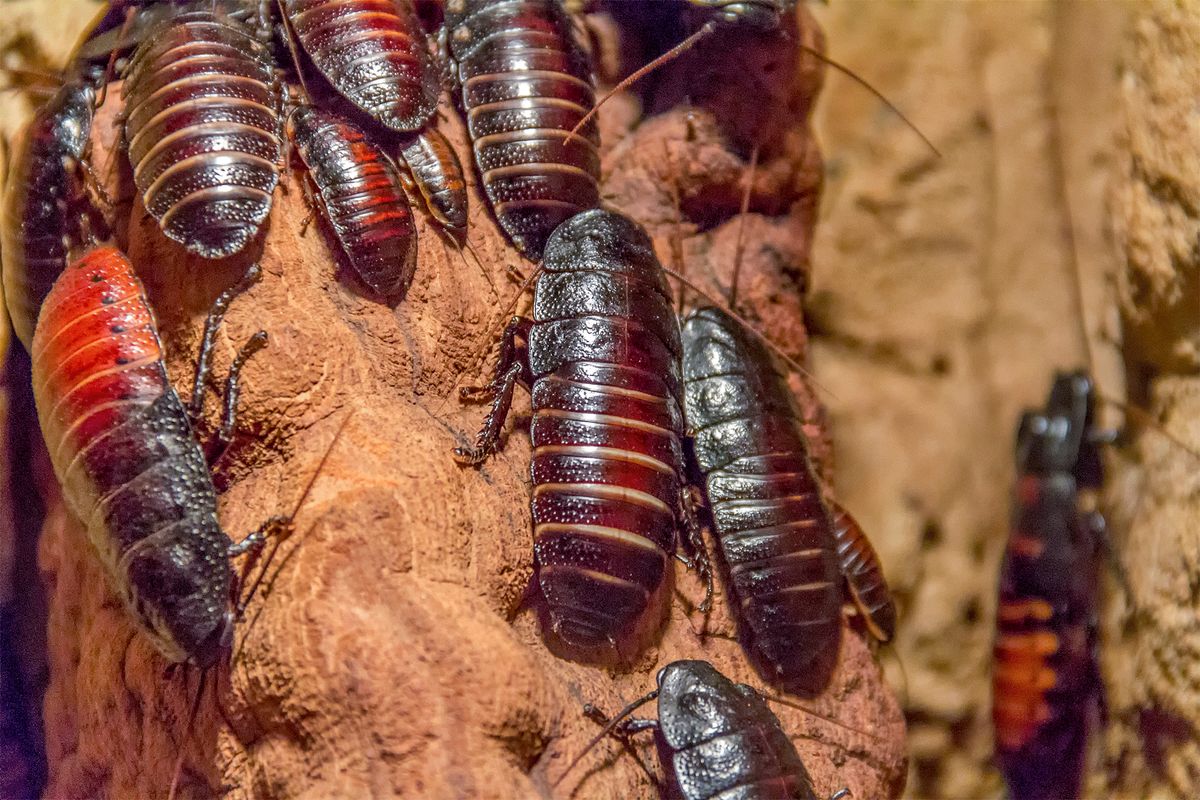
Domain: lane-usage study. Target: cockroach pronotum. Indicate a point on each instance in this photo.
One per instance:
(45, 200)
(1046, 683)
(374, 52)
(775, 533)
(763, 15)
(526, 81)
(202, 125)
(362, 197)
(122, 446)
(435, 173)
(716, 739)
(601, 358)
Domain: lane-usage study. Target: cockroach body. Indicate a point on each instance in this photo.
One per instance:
(718, 740)
(1046, 683)
(602, 360)
(763, 15)
(437, 175)
(774, 531)
(45, 200)
(361, 196)
(203, 127)
(131, 470)
(374, 53)
(783, 550)
(525, 83)
(864, 575)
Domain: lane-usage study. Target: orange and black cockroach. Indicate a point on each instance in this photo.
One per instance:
(1046, 683)
(203, 126)
(123, 448)
(525, 82)
(374, 53)
(715, 739)
(601, 359)
(46, 197)
(436, 175)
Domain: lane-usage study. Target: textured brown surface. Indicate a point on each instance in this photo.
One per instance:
(392, 653)
(943, 299)
(1152, 743)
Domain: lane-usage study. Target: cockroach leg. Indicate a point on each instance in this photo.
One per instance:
(693, 536)
(216, 314)
(511, 352)
(489, 435)
(233, 387)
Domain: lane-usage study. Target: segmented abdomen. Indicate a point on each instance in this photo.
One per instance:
(526, 82)
(203, 130)
(374, 52)
(438, 175)
(123, 451)
(774, 530)
(606, 429)
(44, 202)
(864, 575)
(1044, 675)
(363, 199)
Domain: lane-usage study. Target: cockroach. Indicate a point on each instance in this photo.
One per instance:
(1046, 683)
(121, 443)
(361, 196)
(436, 174)
(202, 125)
(774, 531)
(374, 53)
(762, 15)
(526, 81)
(784, 551)
(46, 199)
(716, 739)
(601, 358)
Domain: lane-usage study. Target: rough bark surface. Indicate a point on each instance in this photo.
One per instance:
(1152, 745)
(393, 649)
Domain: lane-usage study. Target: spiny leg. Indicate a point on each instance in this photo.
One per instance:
(694, 537)
(233, 387)
(488, 439)
(216, 314)
(511, 352)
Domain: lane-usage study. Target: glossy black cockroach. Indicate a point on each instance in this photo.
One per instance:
(374, 52)
(1046, 683)
(526, 81)
(781, 548)
(716, 739)
(361, 196)
(436, 174)
(122, 446)
(601, 358)
(203, 127)
(46, 199)
(762, 15)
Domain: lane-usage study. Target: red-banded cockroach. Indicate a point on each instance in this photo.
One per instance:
(436, 174)
(361, 196)
(202, 126)
(1046, 683)
(374, 53)
(122, 446)
(526, 81)
(601, 359)
(716, 739)
(45, 200)
(774, 531)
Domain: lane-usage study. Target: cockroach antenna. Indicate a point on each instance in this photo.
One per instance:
(608, 728)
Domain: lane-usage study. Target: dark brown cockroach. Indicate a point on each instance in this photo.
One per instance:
(864, 575)
(374, 52)
(1046, 683)
(436, 174)
(46, 199)
(601, 358)
(526, 82)
(122, 446)
(202, 126)
(716, 739)
(361, 196)
(774, 531)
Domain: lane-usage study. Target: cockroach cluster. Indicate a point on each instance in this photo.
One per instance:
(636, 413)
